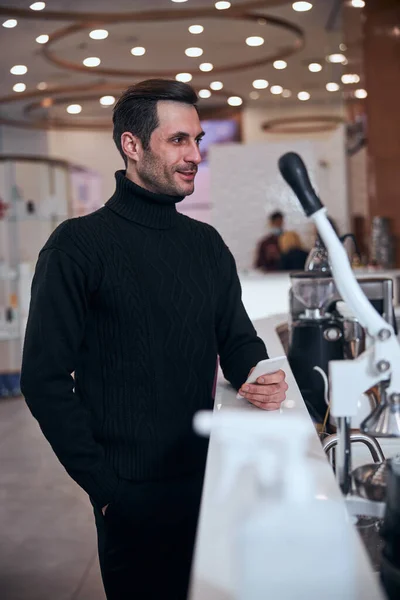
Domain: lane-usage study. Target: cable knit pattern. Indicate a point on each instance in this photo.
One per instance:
(137, 300)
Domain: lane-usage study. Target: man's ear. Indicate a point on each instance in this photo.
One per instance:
(131, 145)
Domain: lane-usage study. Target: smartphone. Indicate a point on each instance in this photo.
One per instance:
(265, 367)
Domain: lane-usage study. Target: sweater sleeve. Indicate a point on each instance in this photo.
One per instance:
(239, 347)
(55, 329)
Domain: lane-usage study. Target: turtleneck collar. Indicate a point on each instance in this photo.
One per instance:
(137, 204)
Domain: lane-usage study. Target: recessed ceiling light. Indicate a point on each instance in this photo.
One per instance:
(74, 109)
(19, 87)
(216, 85)
(350, 78)
(19, 70)
(184, 77)
(286, 93)
(342, 47)
(254, 40)
(10, 23)
(254, 95)
(42, 39)
(314, 67)
(107, 100)
(235, 101)
(194, 52)
(332, 86)
(336, 58)
(276, 89)
(360, 93)
(358, 3)
(177, 1)
(204, 93)
(280, 64)
(303, 96)
(38, 6)
(42, 85)
(98, 34)
(222, 5)
(260, 84)
(206, 67)
(302, 6)
(196, 29)
(138, 51)
(92, 61)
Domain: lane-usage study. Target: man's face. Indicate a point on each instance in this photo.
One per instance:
(169, 165)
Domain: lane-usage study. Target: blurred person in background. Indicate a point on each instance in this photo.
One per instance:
(293, 256)
(268, 255)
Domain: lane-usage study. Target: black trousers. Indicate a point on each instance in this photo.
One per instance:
(146, 540)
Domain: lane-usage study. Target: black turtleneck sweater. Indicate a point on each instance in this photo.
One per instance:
(136, 300)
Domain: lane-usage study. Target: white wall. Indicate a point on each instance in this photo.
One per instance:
(14, 140)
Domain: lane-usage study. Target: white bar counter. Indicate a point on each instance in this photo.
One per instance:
(213, 571)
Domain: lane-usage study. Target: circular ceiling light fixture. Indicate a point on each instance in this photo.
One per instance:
(184, 77)
(196, 29)
(74, 109)
(18, 70)
(302, 6)
(38, 6)
(138, 51)
(235, 101)
(254, 95)
(361, 93)
(194, 52)
(280, 64)
(315, 67)
(98, 34)
(92, 61)
(206, 67)
(19, 87)
(260, 84)
(350, 78)
(216, 85)
(254, 40)
(222, 5)
(204, 93)
(276, 90)
(358, 3)
(42, 39)
(286, 93)
(42, 85)
(336, 58)
(332, 86)
(303, 96)
(10, 23)
(107, 100)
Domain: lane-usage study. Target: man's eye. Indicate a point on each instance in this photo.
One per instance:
(198, 142)
(177, 140)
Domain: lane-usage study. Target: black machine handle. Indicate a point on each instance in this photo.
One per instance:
(294, 172)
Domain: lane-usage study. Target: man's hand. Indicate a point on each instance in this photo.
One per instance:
(268, 393)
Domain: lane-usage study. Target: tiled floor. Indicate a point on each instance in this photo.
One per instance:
(47, 533)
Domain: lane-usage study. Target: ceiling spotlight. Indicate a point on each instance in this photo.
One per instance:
(254, 95)
(42, 39)
(332, 86)
(19, 87)
(360, 93)
(254, 40)
(260, 84)
(138, 51)
(336, 58)
(235, 101)
(350, 78)
(204, 93)
(42, 85)
(10, 23)
(276, 89)
(358, 3)
(194, 52)
(206, 67)
(98, 34)
(184, 77)
(92, 61)
(74, 109)
(216, 85)
(303, 96)
(314, 67)
(301, 6)
(342, 47)
(222, 6)
(19, 70)
(177, 1)
(196, 29)
(280, 64)
(286, 93)
(38, 6)
(107, 100)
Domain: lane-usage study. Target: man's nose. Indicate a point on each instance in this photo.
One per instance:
(193, 154)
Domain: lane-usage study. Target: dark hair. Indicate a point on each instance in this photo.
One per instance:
(136, 109)
(276, 215)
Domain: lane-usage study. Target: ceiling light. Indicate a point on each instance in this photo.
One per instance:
(107, 100)
(342, 47)
(360, 93)
(92, 61)
(254, 95)
(206, 67)
(10, 23)
(222, 6)
(358, 3)
(204, 93)
(42, 85)
(216, 85)
(314, 67)
(303, 96)
(301, 6)
(280, 64)
(74, 109)
(254, 40)
(98, 34)
(42, 39)
(286, 93)
(38, 6)
(332, 86)
(184, 77)
(336, 58)
(235, 101)
(19, 70)
(19, 87)
(138, 51)
(196, 29)
(178, 1)
(194, 52)
(260, 84)
(350, 78)
(276, 89)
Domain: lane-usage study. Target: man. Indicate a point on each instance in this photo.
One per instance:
(268, 256)
(137, 300)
